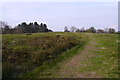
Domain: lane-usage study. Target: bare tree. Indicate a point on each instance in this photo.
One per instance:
(3, 24)
(66, 29)
(4, 27)
(78, 30)
(82, 29)
(106, 30)
(73, 29)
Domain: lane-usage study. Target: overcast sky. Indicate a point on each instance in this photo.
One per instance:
(57, 15)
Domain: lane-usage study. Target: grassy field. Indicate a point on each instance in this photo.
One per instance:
(103, 59)
(98, 60)
(108, 55)
(60, 55)
(23, 53)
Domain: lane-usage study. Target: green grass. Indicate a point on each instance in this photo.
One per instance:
(104, 59)
(106, 64)
(109, 54)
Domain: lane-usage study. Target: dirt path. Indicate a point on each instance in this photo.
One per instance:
(72, 68)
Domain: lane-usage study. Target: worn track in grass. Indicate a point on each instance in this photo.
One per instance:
(97, 60)
(71, 68)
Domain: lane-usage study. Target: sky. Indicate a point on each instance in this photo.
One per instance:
(59, 0)
(57, 15)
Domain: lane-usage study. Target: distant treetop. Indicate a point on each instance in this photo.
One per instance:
(25, 28)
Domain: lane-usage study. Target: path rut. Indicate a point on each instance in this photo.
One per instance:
(72, 67)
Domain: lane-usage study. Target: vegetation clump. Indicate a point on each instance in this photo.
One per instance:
(21, 54)
(24, 28)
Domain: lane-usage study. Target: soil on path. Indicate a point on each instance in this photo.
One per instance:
(71, 68)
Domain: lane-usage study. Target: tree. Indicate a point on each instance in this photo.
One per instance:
(106, 30)
(17, 30)
(82, 29)
(91, 29)
(4, 27)
(24, 28)
(36, 24)
(3, 24)
(66, 29)
(49, 30)
(73, 29)
(111, 30)
(45, 28)
(78, 30)
(36, 27)
(41, 25)
(100, 31)
(6, 30)
(31, 27)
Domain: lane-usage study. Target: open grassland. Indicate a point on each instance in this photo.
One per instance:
(98, 59)
(23, 53)
(102, 60)
(107, 52)
(60, 55)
